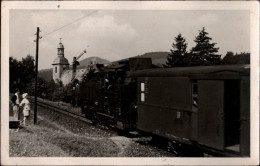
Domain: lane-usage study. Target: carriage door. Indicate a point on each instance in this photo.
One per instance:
(211, 113)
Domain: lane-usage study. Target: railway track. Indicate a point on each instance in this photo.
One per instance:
(61, 110)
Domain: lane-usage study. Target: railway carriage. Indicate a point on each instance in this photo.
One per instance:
(206, 107)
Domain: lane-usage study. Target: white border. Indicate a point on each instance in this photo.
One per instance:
(253, 6)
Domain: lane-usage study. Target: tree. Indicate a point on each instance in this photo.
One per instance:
(21, 73)
(230, 58)
(27, 71)
(178, 53)
(14, 78)
(42, 86)
(205, 52)
(242, 58)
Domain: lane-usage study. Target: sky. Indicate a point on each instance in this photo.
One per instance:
(118, 34)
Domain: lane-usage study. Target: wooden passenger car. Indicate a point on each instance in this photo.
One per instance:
(207, 107)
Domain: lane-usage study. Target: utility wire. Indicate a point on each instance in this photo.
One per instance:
(70, 23)
(27, 46)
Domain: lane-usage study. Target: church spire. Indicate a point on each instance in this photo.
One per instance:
(60, 49)
(59, 64)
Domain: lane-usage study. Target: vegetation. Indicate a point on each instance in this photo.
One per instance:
(21, 73)
(58, 135)
(231, 58)
(204, 53)
(22, 77)
(178, 54)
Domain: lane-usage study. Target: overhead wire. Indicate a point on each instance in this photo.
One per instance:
(69, 23)
(27, 46)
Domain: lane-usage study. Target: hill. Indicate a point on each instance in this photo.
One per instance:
(46, 74)
(87, 61)
(158, 58)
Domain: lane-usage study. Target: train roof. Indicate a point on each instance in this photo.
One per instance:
(113, 68)
(224, 70)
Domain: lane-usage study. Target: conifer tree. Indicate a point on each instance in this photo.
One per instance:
(178, 53)
(231, 58)
(205, 52)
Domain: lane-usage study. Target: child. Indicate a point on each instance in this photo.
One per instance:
(26, 108)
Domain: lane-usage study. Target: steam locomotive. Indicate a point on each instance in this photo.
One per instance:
(207, 108)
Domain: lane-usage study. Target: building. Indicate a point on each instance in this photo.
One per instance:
(60, 64)
(62, 71)
(61, 68)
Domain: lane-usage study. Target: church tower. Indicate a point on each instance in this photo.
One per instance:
(59, 64)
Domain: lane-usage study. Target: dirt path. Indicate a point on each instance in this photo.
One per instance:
(122, 143)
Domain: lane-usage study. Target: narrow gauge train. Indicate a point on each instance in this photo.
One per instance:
(207, 108)
(108, 95)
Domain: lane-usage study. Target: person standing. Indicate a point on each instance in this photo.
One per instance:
(26, 108)
(16, 102)
(13, 101)
(75, 63)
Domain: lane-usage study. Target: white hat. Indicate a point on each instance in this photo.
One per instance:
(25, 94)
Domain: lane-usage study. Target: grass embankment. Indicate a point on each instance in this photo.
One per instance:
(51, 138)
(28, 143)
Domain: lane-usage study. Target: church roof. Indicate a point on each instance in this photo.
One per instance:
(61, 60)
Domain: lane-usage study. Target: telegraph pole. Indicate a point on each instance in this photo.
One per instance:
(36, 75)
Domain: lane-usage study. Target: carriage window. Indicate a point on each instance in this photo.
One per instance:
(195, 96)
(142, 96)
(142, 86)
(142, 91)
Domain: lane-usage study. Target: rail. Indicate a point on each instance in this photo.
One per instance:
(61, 110)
